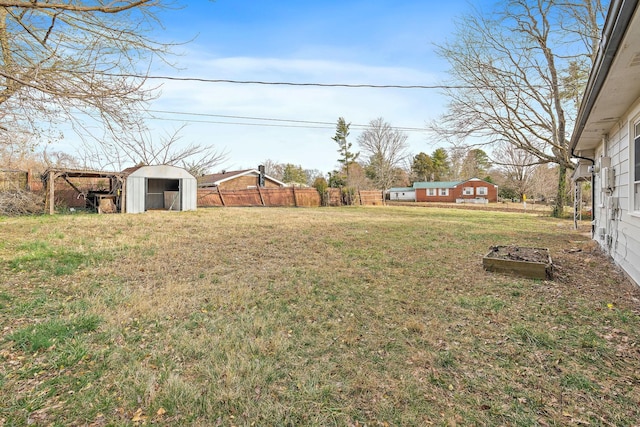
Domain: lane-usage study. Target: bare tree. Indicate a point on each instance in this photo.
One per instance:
(59, 159)
(517, 166)
(456, 155)
(273, 169)
(64, 60)
(515, 74)
(386, 150)
(19, 155)
(198, 159)
(541, 181)
(313, 175)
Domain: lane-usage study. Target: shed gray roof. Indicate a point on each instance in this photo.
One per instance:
(158, 171)
(398, 189)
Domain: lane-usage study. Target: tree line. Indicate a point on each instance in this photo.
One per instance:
(381, 160)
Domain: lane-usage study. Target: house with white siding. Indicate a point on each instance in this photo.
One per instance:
(606, 139)
(407, 194)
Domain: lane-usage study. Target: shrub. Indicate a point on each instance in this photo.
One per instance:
(21, 202)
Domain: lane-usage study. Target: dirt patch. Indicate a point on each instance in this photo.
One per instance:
(518, 253)
(533, 263)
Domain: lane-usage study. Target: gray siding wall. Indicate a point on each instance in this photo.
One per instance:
(617, 225)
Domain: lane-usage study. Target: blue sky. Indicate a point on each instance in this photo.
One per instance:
(354, 42)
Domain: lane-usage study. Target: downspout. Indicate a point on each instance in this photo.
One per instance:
(593, 190)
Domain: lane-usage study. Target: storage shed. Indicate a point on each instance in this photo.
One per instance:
(160, 187)
(402, 194)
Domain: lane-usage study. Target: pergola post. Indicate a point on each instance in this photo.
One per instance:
(51, 181)
(123, 195)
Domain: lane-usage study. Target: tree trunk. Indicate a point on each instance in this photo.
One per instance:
(558, 208)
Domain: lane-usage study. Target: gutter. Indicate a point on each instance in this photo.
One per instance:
(593, 192)
(618, 19)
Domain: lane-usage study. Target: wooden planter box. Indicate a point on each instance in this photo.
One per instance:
(532, 263)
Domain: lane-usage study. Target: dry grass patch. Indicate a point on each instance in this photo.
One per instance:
(310, 317)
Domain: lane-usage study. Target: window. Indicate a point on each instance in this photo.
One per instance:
(467, 191)
(444, 191)
(482, 191)
(431, 191)
(636, 168)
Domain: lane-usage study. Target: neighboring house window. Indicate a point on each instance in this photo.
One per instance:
(636, 169)
(444, 191)
(431, 191)
(482, 191)
(467, 191)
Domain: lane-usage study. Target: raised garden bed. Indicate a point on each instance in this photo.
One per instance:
(532, 263)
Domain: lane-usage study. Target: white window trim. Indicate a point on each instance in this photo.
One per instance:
(465, 191)
(431, 192)
(482, 191)
(443, 191)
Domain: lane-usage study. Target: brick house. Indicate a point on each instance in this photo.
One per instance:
(472, 190)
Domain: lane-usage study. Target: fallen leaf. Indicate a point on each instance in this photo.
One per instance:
(138, 416)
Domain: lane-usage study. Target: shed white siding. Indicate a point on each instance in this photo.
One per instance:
(404, 194)
(134, 199)
(137, 195)
(617, 224)
(189, 189)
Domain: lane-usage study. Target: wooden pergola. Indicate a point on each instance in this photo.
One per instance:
(116, 184)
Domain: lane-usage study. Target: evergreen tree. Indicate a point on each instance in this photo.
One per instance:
(441, 164)
(347, 156)
(422, 167)
(294, 174)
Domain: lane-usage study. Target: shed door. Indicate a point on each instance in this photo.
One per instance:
(162, 194)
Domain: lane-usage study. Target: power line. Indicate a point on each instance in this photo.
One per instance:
(242, 124)
(307, 84)
(269, 83)
(292, 123)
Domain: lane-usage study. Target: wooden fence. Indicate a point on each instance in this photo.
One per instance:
(285, 196)
(371, 198)
(336, 197)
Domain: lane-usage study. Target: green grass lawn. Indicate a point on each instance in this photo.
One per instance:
(328, 316)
